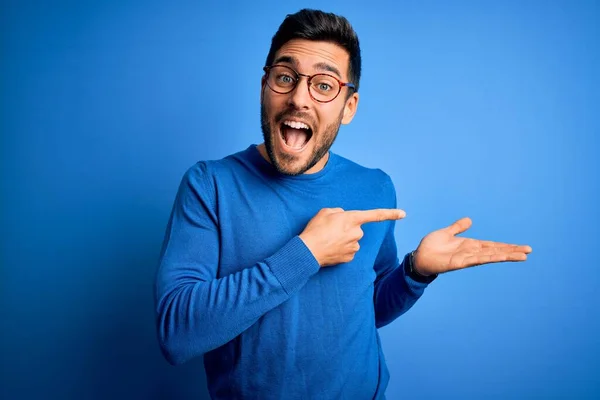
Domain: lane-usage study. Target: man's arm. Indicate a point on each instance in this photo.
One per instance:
(397, 286)
(397, 289)
(196, 312)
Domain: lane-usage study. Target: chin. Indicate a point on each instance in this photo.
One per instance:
(289, 164)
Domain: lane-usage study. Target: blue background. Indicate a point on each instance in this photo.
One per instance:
(480, 109)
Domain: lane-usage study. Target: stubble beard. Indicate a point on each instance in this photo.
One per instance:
(282, 162)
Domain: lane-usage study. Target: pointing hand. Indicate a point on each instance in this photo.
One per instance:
(332, 235)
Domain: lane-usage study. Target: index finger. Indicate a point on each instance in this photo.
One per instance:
(376, 215)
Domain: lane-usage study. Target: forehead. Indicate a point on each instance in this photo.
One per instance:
(310, 56)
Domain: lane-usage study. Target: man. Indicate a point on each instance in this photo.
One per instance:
(279, 262)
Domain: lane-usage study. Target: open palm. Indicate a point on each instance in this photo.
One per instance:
(442, 251)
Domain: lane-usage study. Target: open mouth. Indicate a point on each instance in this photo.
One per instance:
(295, 134)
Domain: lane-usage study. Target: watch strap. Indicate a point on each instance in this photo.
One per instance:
(414, 275)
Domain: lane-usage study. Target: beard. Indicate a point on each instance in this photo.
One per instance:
(283, 162)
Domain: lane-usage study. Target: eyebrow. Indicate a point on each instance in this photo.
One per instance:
(323, 66)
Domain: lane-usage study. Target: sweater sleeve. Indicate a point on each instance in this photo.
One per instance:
(395, 292)
(197, 312)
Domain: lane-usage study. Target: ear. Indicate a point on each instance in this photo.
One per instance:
(350, 108)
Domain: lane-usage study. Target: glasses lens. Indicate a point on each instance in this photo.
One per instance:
(324, 87)
(282, 79)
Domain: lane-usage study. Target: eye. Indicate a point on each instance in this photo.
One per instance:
(324, 84)
(324, 87)
(285, 79)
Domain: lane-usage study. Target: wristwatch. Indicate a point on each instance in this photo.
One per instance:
(413, 274)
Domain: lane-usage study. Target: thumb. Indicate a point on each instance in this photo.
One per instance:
(326, 211)
(460, 226)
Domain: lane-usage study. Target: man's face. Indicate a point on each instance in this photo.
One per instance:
(292, 148)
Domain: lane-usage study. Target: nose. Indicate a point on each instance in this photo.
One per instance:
(299, 98)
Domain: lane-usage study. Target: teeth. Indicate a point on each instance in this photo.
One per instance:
(296, 124)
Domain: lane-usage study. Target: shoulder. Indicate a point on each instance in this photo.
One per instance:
(201, 179)
(374, 179)
(207, 172)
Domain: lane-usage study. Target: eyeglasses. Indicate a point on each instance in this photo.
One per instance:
(321, 87)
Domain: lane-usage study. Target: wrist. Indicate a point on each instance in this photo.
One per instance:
(414, 273)
(311, 247)
(415, 266)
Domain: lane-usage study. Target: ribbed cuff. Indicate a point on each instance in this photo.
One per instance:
(293, 265)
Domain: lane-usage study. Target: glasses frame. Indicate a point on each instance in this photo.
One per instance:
(268, 68)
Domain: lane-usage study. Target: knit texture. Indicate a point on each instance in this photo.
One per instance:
(237, 285)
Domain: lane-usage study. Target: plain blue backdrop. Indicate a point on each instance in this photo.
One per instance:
(487, 109)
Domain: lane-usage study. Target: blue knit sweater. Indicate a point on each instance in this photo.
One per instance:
(238, 286)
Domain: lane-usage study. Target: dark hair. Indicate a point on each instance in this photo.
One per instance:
(318, 25)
